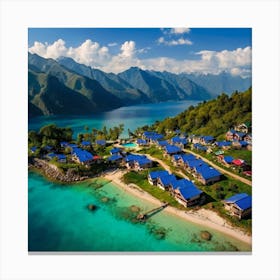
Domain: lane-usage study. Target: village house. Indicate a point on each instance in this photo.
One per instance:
(248, 138)
(185, 158)
(85, 144)
(152, 136)
(115, 158)
(162, 144)
(175, 159)
(239, 205)
(207, 175)
(199, 147)
(115, 151)
(206, 140)
(141, 142)
(164, 182)
(225, 145)
(230, 135)
(33, 149)
(239, 144)
(243, 127)
(179, 141)
(59, 157)
(154, 175)
(186, 193)
(194, 139)
(225, 160)
(100, 142)
(137, 162)
(82, 156)
(171, 150)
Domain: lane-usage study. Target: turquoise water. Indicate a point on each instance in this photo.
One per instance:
(132, 117)
(129, 145)
(59, 220)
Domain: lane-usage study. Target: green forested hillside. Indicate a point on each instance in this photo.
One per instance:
(213, 117)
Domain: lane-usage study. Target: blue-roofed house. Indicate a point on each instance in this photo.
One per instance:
(199, 147)
(186, 193)
(223, 144)
(239, 205)
(206, 140)
(162, 143)
(226, 160)
(115, 158)
(64, 144)
(82, 156)
(179, 141)
(33, 149)
(207, 174)
(48, 148)
(100, 142)
(230, 134)
(154, 175)
(85, 144)
(141, 142)
(183, 161)
(164, 182)
(142, 163)
(152, 136)
(172, 150)
(239, 144)
(176, 159)
(115, 151)
(191, 164)
(239, 136)
(59, 157)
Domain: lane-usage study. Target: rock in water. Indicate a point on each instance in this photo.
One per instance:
(206, 235)
(134, 209)
(105, 199)
(92, 207)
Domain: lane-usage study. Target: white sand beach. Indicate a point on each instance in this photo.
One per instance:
(203, 217)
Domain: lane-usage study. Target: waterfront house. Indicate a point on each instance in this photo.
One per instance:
(207, 174)
(239, 205)
(172, 150)
(82, 156)
(154, 175)
(164, 182)
(186, 193)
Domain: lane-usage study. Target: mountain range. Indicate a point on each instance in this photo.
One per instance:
(64, 86)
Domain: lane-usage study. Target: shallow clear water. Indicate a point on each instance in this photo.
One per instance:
(59, 220)
(132, 117)
(129, 145)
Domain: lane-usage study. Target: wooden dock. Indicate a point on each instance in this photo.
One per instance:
(144, 216)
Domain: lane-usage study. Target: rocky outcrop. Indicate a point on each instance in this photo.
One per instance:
(52, 171)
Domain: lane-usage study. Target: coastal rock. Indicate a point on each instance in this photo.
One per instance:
(92, 207)
(105, 199)
(134, 208)
(206, 235)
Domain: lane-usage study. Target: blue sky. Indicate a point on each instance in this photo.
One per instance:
(202, 50)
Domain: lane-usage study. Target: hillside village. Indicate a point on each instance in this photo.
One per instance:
(190, 160)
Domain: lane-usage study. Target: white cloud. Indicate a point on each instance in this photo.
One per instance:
(237, 62)
(180, 30)
(113, 44)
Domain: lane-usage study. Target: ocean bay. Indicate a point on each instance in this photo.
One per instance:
(131, 116)
(62, 222)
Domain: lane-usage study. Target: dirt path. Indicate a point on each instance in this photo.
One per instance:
(234, 176)
(165, 166)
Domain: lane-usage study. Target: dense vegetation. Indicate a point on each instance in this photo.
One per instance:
(213, 117)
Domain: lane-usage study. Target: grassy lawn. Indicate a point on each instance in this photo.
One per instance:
(140, 179)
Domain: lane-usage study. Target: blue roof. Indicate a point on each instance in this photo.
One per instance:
(141, 141)
(85, 143)
(187, 157)
(171, 149)
(63, 144)
(47, 147)
(73, 145)
(223, 143)
(132, 157)
(207, 172)
(228, 159)
(179, 140)
(152, 135)
(243, 143)
(156, 174)
(33, 149)
(232, 131)
(195, 162)
(143, 161)
(242, 200)
(207, 138)
(167, 179)
(114, 157)
(186, 188)
(200, 147)
(162, 143)
(177, 157)
(240, 134)
(177, 131)
(115, 150)
(82, 155)
(101, 142)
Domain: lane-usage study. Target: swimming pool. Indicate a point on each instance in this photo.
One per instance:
(129, 145)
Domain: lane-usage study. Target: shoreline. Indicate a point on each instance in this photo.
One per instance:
(202, 217)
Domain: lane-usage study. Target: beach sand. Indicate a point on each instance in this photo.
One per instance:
(202, 217)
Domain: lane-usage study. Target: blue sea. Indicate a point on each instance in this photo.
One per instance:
(59, 220)
(132, 117)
